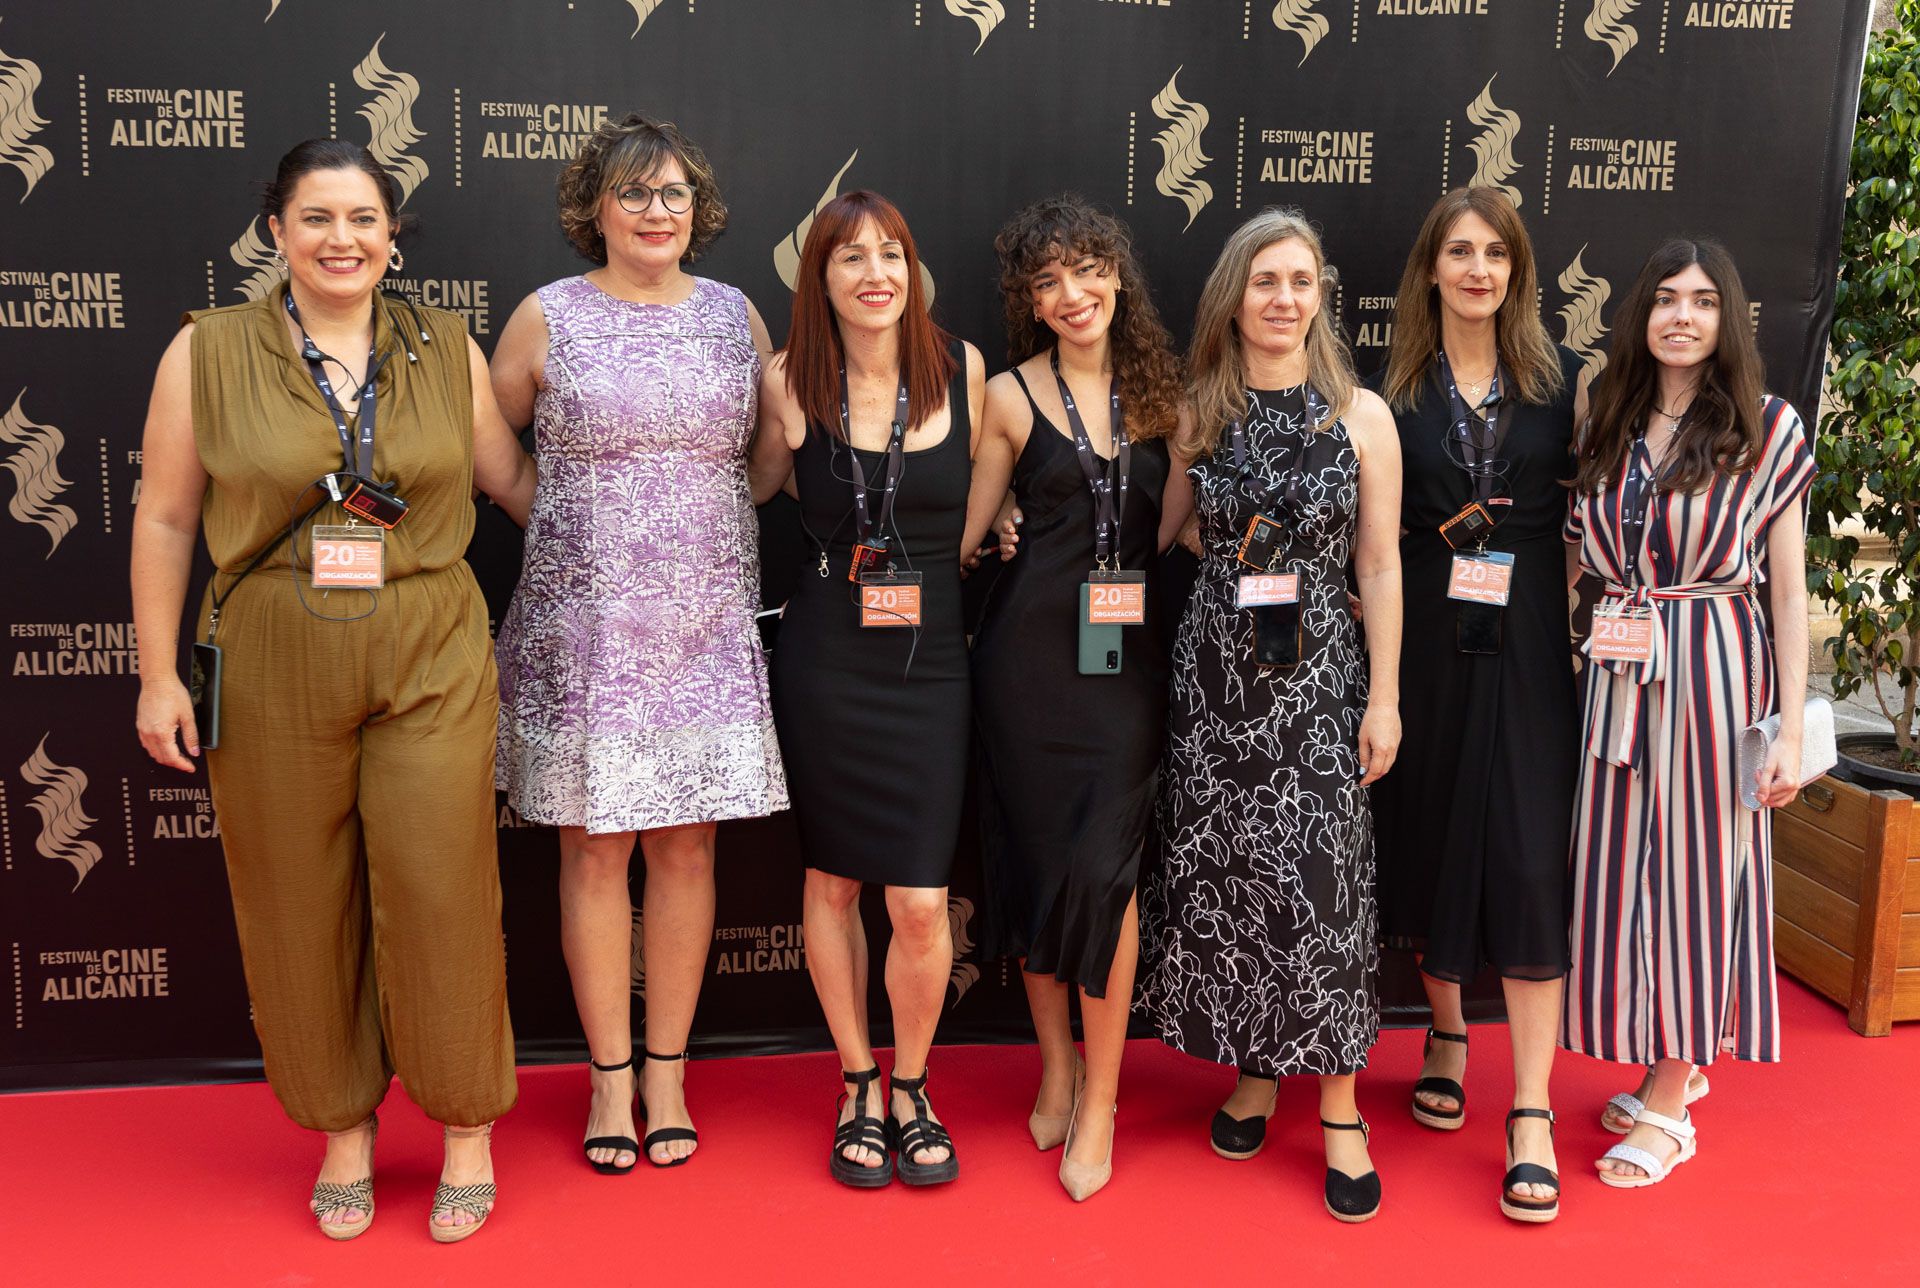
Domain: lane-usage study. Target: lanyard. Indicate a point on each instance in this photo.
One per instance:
(1264, 497)
(1109, 501)
(864, 529)
(358, 456)
(1480, 454)
(1636, 498)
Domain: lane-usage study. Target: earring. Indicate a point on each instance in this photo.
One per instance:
(395, 260)
(280, 261)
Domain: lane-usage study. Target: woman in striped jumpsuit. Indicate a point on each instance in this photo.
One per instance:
(1690, 496)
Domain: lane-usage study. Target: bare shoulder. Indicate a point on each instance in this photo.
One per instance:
(1368, 421)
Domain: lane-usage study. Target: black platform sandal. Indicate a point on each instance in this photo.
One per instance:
(665, 1133)
(1241, 1138)
(1352, 1199)
(862, 1130)
(1533, 1211)
(1440, 1119)
(616, 1143)
(909, 1139)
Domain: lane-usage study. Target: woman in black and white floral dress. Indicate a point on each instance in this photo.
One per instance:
(1259, 918)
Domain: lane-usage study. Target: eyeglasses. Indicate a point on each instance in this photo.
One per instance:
(635, 198)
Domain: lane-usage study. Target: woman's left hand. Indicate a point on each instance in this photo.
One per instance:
(1780, 776)
(1379, 740)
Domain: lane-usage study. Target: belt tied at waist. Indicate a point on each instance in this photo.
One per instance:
(1616, 731)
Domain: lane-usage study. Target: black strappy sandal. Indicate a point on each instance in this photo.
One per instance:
(862, 1130)
(1533, 1211)
(1440, 1119)
(922, 1133)
(665, 1133)
(615, 1143)
(1352, 1199)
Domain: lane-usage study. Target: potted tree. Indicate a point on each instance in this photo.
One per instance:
(1868, 449)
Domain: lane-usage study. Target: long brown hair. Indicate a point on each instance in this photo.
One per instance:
(1722, 432)
(1526, 351)
(1216, 372)
(1066, 228)
(814, 353)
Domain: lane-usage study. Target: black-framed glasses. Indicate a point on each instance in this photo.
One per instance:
(635, 198)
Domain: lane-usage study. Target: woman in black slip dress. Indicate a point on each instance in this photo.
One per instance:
(868, 416)
(1473, 825)
(1070, 743)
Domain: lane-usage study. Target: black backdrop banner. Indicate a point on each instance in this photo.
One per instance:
(134, 137)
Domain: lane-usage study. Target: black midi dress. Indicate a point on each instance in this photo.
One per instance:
(1068, 759)
(1472, 825)
(873, 721)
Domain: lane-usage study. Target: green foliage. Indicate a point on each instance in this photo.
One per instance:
(1868, 468)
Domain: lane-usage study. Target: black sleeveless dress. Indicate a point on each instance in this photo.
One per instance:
(1473, 822)
(873, 722)
(1069, 759)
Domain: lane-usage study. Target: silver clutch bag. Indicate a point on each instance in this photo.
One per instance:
(1817, 753)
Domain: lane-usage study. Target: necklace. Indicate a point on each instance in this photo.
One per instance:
(1673, 417)
(1473, 387)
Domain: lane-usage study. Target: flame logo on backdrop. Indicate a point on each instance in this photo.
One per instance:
(1180, 144)
(389, 114)
(1298, 17)
(965, 974)
(20, 122)
(642, 10)
(1493, 148)
(786, 256)
(638, 983)
(1581, 316)
(984, 14)
(255, 254)
(273, 7)
(62, 818)
(36, 474)
(1608, 25)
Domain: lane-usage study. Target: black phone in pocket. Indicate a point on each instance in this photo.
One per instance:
(203, 686)
(1277, 635)
(1476, 627)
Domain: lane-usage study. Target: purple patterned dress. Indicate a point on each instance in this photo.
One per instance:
(633, 693)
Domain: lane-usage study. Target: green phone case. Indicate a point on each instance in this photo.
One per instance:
(1099, 645)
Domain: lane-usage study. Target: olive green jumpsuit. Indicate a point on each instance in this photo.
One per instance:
(354, 776)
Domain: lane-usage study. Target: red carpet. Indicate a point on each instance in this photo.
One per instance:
(1805, 1174)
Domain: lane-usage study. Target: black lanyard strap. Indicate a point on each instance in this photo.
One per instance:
(1480, 452)
(1264, 497)
(1107, 481)
(1636, 500)
(864, 528)
(356, 455)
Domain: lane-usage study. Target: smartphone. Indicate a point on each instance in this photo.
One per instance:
(203, 686)
(1277, 635)
(1099, 645)
(1476, 627)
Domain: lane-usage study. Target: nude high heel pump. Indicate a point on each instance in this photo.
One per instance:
(1049, 1131)
(1082, 1180)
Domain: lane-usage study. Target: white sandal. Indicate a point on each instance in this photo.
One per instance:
(1631, 1105)
(1680, 1130)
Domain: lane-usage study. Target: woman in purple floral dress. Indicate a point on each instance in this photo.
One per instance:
(633, 693)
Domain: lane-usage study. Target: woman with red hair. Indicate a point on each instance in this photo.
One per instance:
(870, 417)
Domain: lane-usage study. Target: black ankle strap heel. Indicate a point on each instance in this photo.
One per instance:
(618, 1144)
(665, 1134)
(1352, 1199)
(1533, 1211)
(1440, 1119)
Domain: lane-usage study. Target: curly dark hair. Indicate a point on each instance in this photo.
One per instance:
(1068, 228)
(623, 151)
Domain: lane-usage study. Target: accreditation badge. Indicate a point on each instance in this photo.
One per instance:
(1263, 589)
(1481, 578)
(1621, 633)
(350, 556)
(1116, 597)
(889, 599)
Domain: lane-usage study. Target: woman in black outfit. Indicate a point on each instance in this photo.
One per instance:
(1070, 744)
(869, 417)
(1473, 824)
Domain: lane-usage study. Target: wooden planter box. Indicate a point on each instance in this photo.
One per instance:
(1846, 900)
